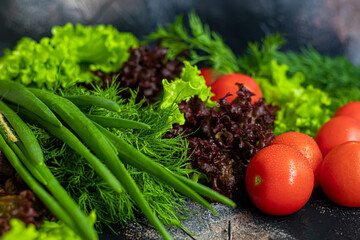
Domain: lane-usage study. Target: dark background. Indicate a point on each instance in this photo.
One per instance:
(331, 26)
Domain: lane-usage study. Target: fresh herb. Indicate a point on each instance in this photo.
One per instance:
(60, 203)
(224, 138)
(334, 75)
(92, 193)
(99, 144)
(137, 146)
(201, 44)
(69, 138)
(255, 62)
(66, 58)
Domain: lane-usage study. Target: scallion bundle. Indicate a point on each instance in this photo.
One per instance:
(106, 152)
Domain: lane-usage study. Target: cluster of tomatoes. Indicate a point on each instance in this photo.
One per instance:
(281, 177)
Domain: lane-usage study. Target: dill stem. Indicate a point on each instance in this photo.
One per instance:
(65, 135)
(132, 156)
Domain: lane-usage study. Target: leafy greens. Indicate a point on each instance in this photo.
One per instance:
(66, 58)
(303, 107)
(47, 231)
(224, 138)
(334, 75)
(188, 85)
(213, 50)
(91, 192)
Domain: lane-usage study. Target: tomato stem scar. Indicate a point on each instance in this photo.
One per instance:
(258, 180)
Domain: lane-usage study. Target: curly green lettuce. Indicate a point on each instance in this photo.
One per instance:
(47, 231)
(302, 109)
(103, 47)
(67, 57)
(334, 75)
(189, 84)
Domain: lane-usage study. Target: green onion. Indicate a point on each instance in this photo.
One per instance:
(24, 159)
(52, 184)
(205, 191)
(111, 122)
(90, 100)
(25, 134)
(132, 156)
(39, 191)
(67, 203)
(73, 142)
(19, 94)
(98, 143)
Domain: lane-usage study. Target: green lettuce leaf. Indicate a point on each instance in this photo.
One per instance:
(47, 231)
(336, 76)
(66, 58)
(102, 47)
(188, 85)
(302, 109)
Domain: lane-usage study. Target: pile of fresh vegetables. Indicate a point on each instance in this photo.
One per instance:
(98, 127)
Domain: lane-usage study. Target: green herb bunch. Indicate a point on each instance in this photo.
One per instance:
(117, 151)
(91, 192)
(202, 44)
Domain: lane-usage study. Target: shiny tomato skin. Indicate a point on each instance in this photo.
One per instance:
(340, 174)
(209, 75)
(279, 180)
(227, 84)
(351, 109)
(337, 130)
(307, 146)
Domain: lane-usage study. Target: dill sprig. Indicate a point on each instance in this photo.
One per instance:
(201, 44)
(92, 193)
(259, 55)
(334, 75)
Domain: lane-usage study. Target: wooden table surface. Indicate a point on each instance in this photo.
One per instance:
(318, 219)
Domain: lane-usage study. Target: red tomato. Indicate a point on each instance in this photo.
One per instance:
(339, 174)
(209, 75)
(351, 109)
(336, 131)
(307, 146)
(227, 84)
(279, 180)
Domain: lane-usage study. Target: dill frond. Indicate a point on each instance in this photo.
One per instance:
(202, 44)
(89, 189)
